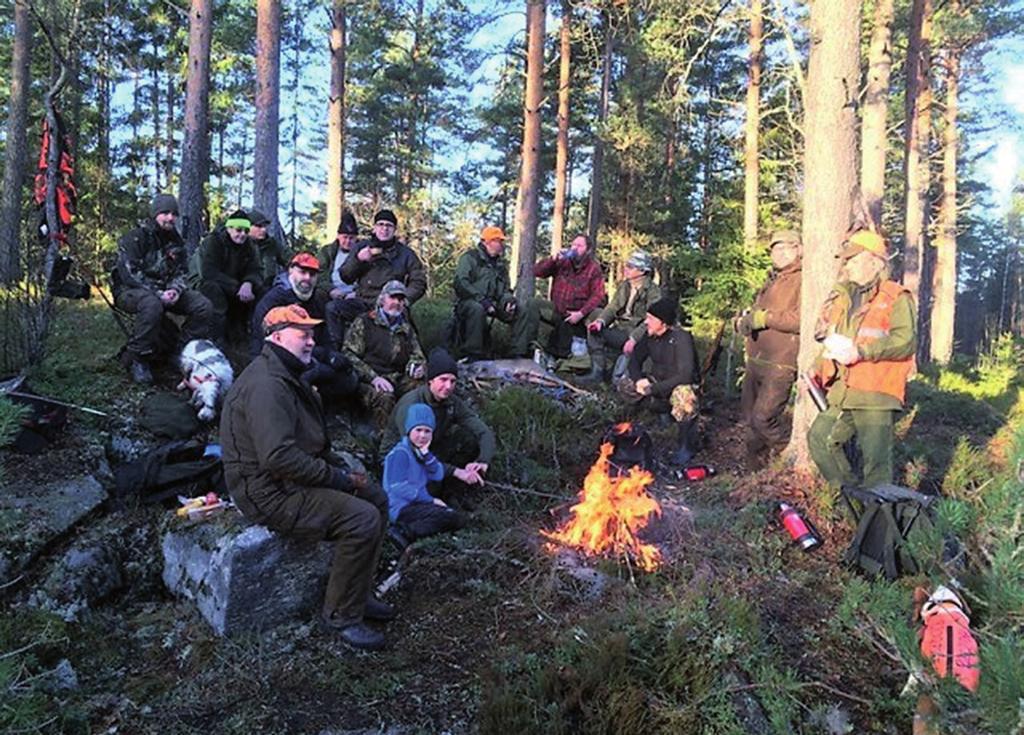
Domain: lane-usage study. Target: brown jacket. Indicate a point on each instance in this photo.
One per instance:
(273, 437)
(779, 342)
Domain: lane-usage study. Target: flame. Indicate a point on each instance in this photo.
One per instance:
(622, 428)
(611, 511)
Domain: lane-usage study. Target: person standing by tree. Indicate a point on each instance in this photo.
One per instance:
(333, 255)
(869, 330)
(150, 278)
(229, 273)
(772, 331)
(577, 290)
(272, 256)
(621, 324)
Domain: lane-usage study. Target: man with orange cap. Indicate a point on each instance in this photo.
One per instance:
(483, 292)
(868, 328)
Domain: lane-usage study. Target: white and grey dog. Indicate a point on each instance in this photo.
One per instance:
(207, 373)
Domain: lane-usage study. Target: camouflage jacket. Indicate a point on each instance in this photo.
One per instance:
(150, 258)
(377, 349)
(632, 320)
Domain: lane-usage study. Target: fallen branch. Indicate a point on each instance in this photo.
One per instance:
(523, 490)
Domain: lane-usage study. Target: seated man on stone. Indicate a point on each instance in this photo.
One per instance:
(333, 255)
(272, 256)
(409, 466)
(461, 439)
(149, 279)
(329, 370)
(483, 292)
(229, 274)
(663, 375)
(383, 348)
(577, 290)
(620, 325)
(281, 472)
(373, 263)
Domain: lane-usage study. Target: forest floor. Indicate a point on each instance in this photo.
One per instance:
(736, 632)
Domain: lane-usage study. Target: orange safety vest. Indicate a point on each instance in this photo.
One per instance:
(882, 376)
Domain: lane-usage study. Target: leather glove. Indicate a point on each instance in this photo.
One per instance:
(744, 325)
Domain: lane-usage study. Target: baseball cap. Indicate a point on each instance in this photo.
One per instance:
(292, 315)
(865, 241)
(307, 261)
(394, 288)
(492, 233)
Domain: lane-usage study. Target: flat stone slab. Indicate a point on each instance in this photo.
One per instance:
(244, 577)
(33, 515)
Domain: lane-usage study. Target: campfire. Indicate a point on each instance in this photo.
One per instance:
(613, 508)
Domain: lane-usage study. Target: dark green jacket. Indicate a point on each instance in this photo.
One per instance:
(228, 265)
(150, 258)
(632, 320)
(396, 262)
(378, 350)
(273, 258)
(453, 412)
(478, 276)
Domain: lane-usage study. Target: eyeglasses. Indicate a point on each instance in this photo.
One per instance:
(384, 224)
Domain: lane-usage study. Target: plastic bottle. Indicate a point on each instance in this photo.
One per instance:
(697, 472)
(802, 532)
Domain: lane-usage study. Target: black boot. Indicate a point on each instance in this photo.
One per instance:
(596, 374)
(686, 444)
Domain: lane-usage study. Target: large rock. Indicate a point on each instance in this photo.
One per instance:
(86, 575)
(244, 577)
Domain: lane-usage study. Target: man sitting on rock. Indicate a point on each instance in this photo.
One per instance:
(333, 256)
(577, 290)
(281, 472)
(667, 384)
(461, 439)
(383, 348)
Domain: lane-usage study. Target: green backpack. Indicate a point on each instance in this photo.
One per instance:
(894, 520)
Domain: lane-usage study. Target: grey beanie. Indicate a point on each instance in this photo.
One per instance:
(163, 203)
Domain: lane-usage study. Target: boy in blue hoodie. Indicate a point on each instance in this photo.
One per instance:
(409, 466)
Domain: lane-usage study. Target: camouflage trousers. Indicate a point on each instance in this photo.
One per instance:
(381, 404)
(683, 404)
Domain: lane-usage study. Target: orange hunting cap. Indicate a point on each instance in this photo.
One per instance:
(865, 240)
(307, 261)
(292, 315)
(492, 233)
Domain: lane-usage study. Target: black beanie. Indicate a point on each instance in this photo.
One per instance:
(163, 203)
(667, 310)
(440, 362)
(348, 225)
(385, 215)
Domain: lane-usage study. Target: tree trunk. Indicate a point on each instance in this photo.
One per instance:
(562, 147)
(525, 236)
(154, 100)
(268, 104)
(917, 132)
(944, 284)
(597, 168)
(172, 103)
(830, 176)
(195, 146)
(876, 107)
(751, 166)
(336, 122)
(14, 155)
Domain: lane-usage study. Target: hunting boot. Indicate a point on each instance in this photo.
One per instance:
(140, 372)
(686, 444)
(596, 374)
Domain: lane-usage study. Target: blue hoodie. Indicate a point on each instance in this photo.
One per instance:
(406, 470)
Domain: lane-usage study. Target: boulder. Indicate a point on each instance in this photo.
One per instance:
(244, 577)
(84, 576)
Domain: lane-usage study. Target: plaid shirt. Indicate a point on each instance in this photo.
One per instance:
(574, 289)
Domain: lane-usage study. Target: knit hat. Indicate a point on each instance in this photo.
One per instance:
(784, 236)
(385, 215)
(394, 288)
(348, 225)
(666, 309)
(641, 260)
(238, 220)
(307, 261)
(492, 233)
(292, 315)
(439, 362)
(865, 241)
(420, 414)
(258, 219)
(163, 203)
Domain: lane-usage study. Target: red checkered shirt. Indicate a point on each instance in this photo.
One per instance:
(573, 289)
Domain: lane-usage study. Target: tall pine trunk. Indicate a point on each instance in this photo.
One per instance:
(917, 132)
(195, 146)
(525, 235)
(751, 165)
(14, 155)
(562, 146)
(597, 167)
(830, 176)
(944, 282)
(874, 140)
(336, 122)
(268, 104)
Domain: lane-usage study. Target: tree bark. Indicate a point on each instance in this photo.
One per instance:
(525, 235)
(597, 167)
(917, 134)
(336, 122)
(830, 177)
(562, 146)
(751, 166)
(268, 105)
(14, 155)
(943, 314)
(876, 106)
(195, 146)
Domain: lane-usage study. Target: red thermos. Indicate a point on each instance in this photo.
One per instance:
(698, 472)
(803, 533)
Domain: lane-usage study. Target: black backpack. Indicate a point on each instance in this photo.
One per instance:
(177, 468)
(893, 520)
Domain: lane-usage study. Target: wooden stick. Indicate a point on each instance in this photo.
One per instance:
(523, 490)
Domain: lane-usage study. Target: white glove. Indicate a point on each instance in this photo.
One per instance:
(841, 349)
